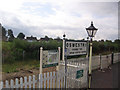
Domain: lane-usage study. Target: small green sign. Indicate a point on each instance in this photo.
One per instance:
(79, 74)
(50, 65)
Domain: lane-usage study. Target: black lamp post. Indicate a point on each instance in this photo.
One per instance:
(91, 33)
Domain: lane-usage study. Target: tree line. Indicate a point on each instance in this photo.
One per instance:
(7, 35)
(17, 49)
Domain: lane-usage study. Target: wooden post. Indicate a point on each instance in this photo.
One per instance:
(58, 67)
(58, 59)
(41, 54)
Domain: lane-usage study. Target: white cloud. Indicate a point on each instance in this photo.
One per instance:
(57, 17)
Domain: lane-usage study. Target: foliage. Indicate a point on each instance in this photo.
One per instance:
(23, 50)
(21, 35)
(20, 50)
(106, 46)
(10, 35)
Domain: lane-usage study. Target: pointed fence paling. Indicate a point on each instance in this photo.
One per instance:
(46, 80)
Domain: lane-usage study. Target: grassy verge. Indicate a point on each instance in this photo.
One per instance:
(16, 66)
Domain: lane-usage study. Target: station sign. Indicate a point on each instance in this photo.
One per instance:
(75, 47)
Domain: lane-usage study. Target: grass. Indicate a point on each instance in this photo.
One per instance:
(16, 66)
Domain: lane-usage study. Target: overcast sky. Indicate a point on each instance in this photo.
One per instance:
(56, 17)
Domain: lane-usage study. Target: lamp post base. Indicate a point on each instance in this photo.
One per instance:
(90, 79)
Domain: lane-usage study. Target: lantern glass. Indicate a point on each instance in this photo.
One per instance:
(91, 33)
(94, 32)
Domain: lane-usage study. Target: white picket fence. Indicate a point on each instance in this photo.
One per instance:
(51, 79)
(46, 80)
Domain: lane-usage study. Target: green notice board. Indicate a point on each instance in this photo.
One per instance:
(50, 58)
(79, 74)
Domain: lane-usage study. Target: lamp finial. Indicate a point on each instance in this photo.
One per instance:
(91, 23)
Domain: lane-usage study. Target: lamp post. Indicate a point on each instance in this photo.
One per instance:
(87, 47)
(91, 33)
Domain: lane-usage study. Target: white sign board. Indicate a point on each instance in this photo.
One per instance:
(76, 48)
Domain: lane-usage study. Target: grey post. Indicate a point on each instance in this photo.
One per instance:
(100, 62)
(112, 57)
(65, 60)
(1, 52)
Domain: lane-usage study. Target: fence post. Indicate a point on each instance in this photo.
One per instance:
(58, 68)
(58, 59)
(112, 57)
(101, 62)
(41, 54)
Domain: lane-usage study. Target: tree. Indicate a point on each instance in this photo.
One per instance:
(4, 37)
(21, 36)
(46, 38)
(117, 41)
(10, 35)
(58, 39)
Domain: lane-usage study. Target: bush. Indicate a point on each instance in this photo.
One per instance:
(23, 50)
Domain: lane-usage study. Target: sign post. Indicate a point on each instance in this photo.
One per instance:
(63, 50)
(41, 54)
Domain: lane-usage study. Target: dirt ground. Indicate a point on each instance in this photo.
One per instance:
(23, 73)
